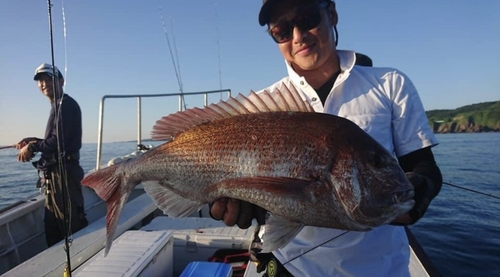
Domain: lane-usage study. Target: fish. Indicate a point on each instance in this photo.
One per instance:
(269, 149)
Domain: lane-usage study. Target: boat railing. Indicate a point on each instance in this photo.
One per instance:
(139, 121)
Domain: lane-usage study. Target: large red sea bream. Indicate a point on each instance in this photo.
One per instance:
(269, 149)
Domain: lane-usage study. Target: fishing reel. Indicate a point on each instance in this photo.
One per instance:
(266, 261)
(273, 267)
(42, 182)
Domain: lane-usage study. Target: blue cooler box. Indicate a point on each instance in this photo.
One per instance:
(207, 269)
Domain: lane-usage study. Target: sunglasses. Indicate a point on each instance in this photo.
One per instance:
(308, 18)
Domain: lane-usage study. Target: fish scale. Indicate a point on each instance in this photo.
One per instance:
(196, 155)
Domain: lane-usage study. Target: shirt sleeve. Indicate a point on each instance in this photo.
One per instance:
(411, 129)
(49, 143)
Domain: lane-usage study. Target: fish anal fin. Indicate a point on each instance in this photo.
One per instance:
(169, 202)
(281, 99)
(279, 232)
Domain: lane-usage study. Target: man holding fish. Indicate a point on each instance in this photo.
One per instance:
(384, 103)
(316, 150)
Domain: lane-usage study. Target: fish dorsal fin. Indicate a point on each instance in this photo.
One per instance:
(281, 99)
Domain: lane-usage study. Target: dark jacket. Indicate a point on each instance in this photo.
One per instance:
(69, 126)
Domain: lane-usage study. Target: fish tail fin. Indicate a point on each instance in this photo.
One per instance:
(104, 181)
(114, 189)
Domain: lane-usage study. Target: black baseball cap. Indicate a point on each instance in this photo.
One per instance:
(265, 10)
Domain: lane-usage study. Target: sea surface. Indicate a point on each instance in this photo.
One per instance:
(460, 232)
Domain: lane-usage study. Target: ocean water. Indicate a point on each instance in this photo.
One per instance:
(17, 180)
(460, 232)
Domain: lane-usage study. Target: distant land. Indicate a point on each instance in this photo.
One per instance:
(475, 118)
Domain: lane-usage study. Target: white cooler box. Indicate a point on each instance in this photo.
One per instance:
(196, 239)
(134, 253)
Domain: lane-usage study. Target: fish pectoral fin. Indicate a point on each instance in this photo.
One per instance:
(169, 202)
(279, 232)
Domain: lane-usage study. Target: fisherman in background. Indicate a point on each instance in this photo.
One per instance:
(64, 125)
(384, 103)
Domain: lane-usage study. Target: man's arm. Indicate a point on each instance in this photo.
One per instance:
(66, 122)
(25, 141)
(424, 174)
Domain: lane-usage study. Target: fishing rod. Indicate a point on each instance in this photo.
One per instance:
(175, 60)
(58, 95)
(218, 48)
(7, 146)
(181, 86)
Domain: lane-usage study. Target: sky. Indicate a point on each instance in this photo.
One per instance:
(449, 49)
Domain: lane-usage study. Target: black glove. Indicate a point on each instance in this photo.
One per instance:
(425, 191)
(248, 212)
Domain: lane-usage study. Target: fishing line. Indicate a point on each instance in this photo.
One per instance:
(446, 183)
(68, 214)
(61, 167)
(65, 48)
(471, 190)
(298, 256)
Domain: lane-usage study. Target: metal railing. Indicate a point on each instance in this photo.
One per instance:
(139, 97)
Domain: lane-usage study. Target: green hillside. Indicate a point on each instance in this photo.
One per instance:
(481, 117)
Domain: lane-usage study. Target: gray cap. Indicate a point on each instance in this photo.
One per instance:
(46, 68)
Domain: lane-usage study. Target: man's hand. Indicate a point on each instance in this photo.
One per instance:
(25, 141)
(241, 213)
(25, 155)
(424, 193)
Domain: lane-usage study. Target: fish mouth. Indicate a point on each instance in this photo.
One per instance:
(403, 201)
(381, 212)
(402, 196)
(385, 215)
(405, 207)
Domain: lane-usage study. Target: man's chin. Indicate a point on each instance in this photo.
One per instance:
(307, 63)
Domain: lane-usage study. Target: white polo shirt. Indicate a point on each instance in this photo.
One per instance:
(384, 103)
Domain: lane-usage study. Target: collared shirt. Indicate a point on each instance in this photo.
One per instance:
(70, 130)
(384, 103)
